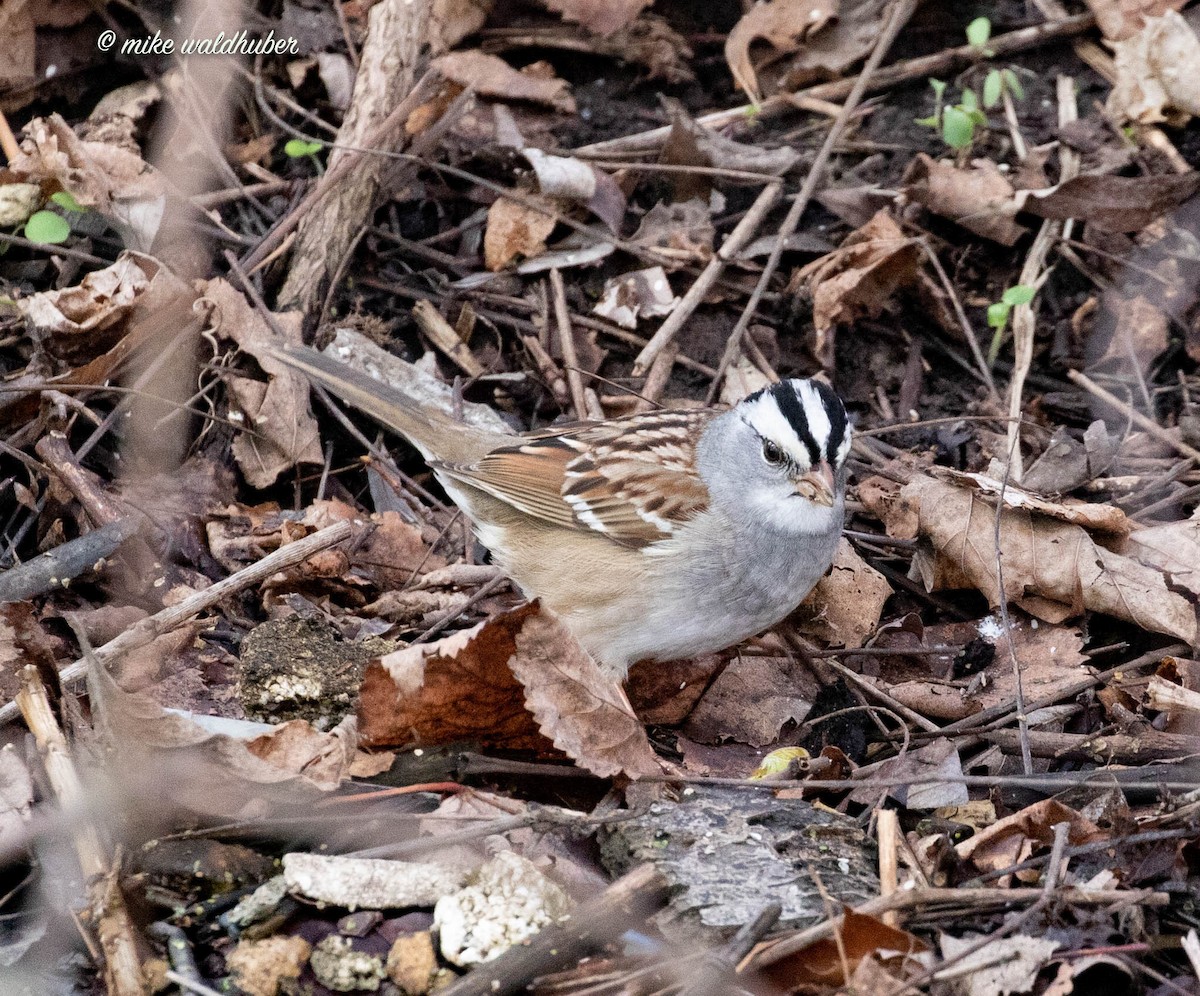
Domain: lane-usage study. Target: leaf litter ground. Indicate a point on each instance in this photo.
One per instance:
(966, 764)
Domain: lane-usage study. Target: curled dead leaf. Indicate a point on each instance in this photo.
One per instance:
(1051, 568)
(514, 230)
(281, 431)
(601, 17)
(1156, 73)
(583, 710)
(1119, 19)
(491, 76)
(844, 607)
(518, 681)
(860, 277)
(979, 197)
(1111, 203)
(784, 24)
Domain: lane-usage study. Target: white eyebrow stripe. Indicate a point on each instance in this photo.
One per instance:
(843, 450)
(819, 425)
(765, 418)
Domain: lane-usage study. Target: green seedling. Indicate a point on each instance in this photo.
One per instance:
(66, 200)
(978, 33)
(298, 148)
(997, 83)
(47, 228)
(999, 313)
(939, 95)
(955, 122)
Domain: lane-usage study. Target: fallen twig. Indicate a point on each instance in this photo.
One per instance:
(162, 622)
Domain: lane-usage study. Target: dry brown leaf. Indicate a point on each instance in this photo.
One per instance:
(663, 693)
(518, 681)
(514, 230)
(1096, 517)
(116, 182)
(847, 40)
(1137, 334)
(825, 964)
(1013, 839)
(582, 709)
(1173, 548)
(491, 76)
(689, 143)
(1119, 19)
(1111, 203)
(284, 432)
(1052, 569)
(1050, 656)
(844, 607)
(459, 688)
(979, 198)
(637, 294)
(601, 17)
(860, 277)
(936, 760)
(392, 552)
(784, 24)
(684, 231)
(168, 752)
(450, 21)
(571, 179)
(297, 746)
(934, 699)
(1067, 462)
(997, 966)
(1156, 73)
(75, 323)
(751, 701)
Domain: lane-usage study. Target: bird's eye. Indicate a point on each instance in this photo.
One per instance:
(772, 453)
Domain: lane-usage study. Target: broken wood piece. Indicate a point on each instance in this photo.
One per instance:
(447, 341)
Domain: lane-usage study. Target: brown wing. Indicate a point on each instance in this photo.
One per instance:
(632, 479)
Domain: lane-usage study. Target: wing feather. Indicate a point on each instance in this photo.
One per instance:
(633, 480)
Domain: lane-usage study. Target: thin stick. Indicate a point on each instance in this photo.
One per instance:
(1152, 427)
(887, 829)
(8, 141)
(776, 951)
(696, 293)
(968, 331)
(122, 969)
(896, 20)
(937, 64)
(162, 622)
(566, 340)
(1032, 275)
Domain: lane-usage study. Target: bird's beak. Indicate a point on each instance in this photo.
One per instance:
(817, 485)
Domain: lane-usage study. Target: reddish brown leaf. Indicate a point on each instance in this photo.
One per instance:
(457, 689)
(825, 963)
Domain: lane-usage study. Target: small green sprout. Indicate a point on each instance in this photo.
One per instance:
(939, 94)
(298, 148)
(66, 200)
(998, 314)
(47, 228)
(978, 33)
(997, 83)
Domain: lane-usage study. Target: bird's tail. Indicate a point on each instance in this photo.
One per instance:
(429, 431)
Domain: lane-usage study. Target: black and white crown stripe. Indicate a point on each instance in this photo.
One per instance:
(803, 417)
